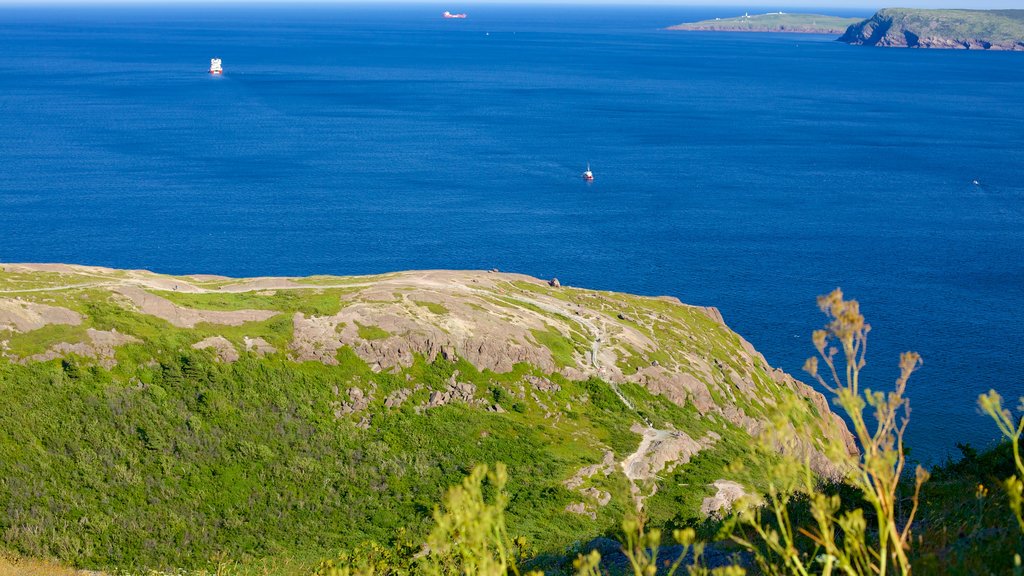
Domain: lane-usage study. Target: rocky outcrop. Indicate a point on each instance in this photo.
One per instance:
(222, 347)
(101, 346)
(358, 402)
(23, 316)
(182, 317)
(258, 346)
(659, 450)
(495, 321)
(727, 493)
(948, 29)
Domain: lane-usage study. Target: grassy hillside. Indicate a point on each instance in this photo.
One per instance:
(774, 22)
(919, 28)
(168, 422)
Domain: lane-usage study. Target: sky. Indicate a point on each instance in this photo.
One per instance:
(467, 4)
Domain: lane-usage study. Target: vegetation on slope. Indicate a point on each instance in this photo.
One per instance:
(864, 525)
(123, 446)
(774, 22)
(920, 28)
(176, 458)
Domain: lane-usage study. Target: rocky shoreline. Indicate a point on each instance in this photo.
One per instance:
(941, 29)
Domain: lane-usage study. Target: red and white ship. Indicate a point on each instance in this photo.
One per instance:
(448, 14)
(588, 175)
(215, 66)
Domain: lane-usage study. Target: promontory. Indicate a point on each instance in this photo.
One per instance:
(958, 29)
(774, 22)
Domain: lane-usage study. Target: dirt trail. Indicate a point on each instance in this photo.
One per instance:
(658, 450)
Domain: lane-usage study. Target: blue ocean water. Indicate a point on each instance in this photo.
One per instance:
(747, 172)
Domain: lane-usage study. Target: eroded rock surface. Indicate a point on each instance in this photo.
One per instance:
(24, 316)
(727, 493)
(492, 320)
(182, 317)
(221, 346)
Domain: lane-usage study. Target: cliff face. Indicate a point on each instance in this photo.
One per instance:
(300, 399)
(948, 29)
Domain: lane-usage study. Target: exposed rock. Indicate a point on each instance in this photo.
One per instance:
(102, 346)
(679, 387)
(397, 398)
(542, 384)
(24, 316)
(719, 505)
(602, 497)
(182, 317)
(455, 392)
(554, 283)
(492, 323)
(658, 450)
(607, 466)
(358, 401)
(581, 509)
(259, 346)
(949, 29)
(224, 349)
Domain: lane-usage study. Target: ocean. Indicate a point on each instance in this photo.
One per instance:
(747, 172)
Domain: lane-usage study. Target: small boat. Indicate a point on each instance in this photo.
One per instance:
(215, 67)
(589, 174)
(448, 14)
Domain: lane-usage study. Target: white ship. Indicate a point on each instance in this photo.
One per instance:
(588, 175)
(215, 67)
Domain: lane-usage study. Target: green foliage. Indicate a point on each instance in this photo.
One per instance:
(368, 332)
(39, 341)
(470, 536)
(774, 23)
(1012, 428)
(191, 458)
(313, 302)
(857, 540)
(966, 523)
(562, 350)
(434, 307)
(997, 26)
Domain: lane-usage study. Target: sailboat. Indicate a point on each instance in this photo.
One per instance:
(588, 175)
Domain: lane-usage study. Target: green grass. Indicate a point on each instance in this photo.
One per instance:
(774, 23)
(369, 332)
(256, 442)
(433, 307)
(313, 302)
(171, 458)
(995, 26)
(39, 341)
(340, 280)
(563, 352)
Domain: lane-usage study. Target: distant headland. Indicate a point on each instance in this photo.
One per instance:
(891, 27)
(774, 22)
(958, 29)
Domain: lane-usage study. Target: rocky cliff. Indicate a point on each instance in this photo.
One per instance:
(237, 406)
(950, 29)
